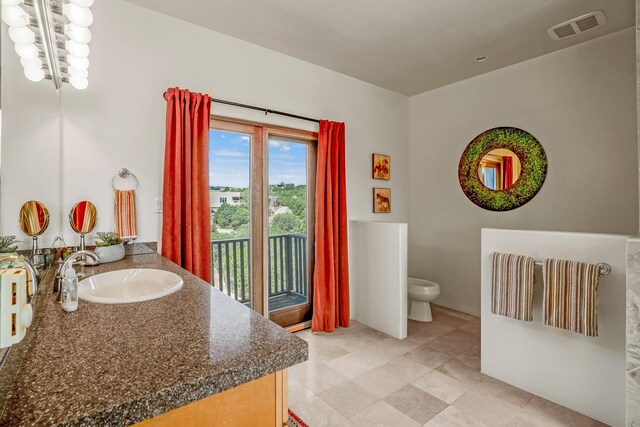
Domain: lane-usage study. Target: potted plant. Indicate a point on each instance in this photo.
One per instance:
(5, 245)
(109, 247)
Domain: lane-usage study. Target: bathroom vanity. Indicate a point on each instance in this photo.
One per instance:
(193, 357)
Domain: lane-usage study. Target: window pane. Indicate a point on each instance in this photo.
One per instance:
(288, 248)
(229, 181)
(490, 178)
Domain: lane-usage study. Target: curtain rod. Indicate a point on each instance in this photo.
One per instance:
(266, 110)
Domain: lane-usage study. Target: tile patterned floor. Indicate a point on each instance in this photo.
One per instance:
(361, 377)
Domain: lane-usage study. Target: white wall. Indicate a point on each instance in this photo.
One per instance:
(136, 54)
(586, 374)
(579, 103)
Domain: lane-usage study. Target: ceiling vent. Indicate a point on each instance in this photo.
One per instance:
(577, 25)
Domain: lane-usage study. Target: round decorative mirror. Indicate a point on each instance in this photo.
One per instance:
(34, 218)
(83, 219)
(502, 169)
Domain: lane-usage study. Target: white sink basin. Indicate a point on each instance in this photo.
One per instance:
(127, 286)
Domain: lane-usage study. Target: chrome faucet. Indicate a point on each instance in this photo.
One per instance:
(5, 262)
(73, 257)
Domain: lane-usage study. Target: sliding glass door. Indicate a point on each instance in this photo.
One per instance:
(262, 187)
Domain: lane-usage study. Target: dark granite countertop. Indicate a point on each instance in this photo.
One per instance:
(120, 364)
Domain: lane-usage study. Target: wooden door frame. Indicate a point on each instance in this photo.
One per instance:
(260, 200)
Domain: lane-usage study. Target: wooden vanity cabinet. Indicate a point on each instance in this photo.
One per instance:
(262, 402)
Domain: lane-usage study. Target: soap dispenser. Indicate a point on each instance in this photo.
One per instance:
(69, 291)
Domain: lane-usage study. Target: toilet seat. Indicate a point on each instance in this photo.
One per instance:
(428, 288)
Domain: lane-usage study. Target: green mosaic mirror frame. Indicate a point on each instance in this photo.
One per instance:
(533, 162)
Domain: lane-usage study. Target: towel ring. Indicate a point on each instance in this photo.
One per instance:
(124, 174)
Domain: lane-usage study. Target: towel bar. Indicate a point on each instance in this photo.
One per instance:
(602, 266)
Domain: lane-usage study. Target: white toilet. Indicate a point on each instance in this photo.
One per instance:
(420, 292)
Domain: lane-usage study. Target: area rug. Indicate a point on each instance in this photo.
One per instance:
(295, 421)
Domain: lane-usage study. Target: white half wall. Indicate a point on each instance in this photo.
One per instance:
(378, 275)
(586, 374)
(136, 54)
(579, 103)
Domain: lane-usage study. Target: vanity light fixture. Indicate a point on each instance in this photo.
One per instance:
(51, 38)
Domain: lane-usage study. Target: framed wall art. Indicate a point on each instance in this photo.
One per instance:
(380, 166)
(381, 200)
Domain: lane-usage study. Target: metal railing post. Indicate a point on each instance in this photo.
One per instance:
(288, 261)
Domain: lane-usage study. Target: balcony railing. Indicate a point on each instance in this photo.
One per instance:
(287, 272)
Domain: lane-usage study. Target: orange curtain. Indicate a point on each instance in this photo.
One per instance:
(186, 223)
(507, 165)
(331, 273)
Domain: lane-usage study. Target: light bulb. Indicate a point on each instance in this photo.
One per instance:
(78, 50)
(83, 74)
(82, 3)
(77, 63)
(80, 16)
(31, 63)
(11, 2)
(22, 35)
(27, 51)
(15, 16)
(78, 82)
(78, 34)
(34, 74)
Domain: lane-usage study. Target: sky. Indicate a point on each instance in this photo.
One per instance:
(229, 155)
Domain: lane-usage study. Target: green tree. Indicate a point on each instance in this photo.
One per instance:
(291, 196)
(240, 216)
(298, 206)
(286, 223)
(224, 216)
(245, 196)
(214, 226)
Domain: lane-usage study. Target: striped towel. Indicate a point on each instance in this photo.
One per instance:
(570, 296)
(125, 213)
(512, 279)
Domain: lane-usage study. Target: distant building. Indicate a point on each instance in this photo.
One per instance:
(218, 198)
